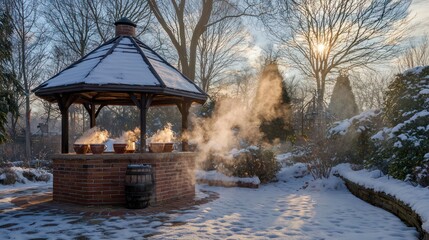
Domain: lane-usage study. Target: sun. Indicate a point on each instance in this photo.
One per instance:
(321, 48)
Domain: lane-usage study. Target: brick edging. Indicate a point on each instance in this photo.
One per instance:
(388, 203)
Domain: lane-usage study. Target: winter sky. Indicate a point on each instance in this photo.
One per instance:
(419, 10)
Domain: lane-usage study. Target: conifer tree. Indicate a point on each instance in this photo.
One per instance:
(278, 127)
(343, 104)
(7, 79)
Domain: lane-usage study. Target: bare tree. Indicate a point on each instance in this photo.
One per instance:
(415, 54)
(220, 47)
(71, 25)
(75, 34)
(59, 58)
(30, 43)
(185, 22)
(105, 12)
(369, 87)
(326, 36)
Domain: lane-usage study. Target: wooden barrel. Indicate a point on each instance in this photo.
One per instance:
(138, 185)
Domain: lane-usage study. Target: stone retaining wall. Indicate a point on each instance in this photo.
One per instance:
(99, 179)
(389, 203)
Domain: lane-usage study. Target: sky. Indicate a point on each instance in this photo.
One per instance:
(418, 26)
(419, 23)
(419, 9)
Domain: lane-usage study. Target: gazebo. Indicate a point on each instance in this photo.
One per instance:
(122, 71)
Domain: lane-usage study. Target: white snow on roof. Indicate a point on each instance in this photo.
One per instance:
(124, 65)
(150, 54)
(171, 77)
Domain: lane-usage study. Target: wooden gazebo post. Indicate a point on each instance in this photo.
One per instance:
(184, 110)
(64, 102)
(143, 104)
(64, 129)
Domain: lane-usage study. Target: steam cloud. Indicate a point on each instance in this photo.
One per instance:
(93, 136)
(164, 135)
(129, 136)
(235, 123)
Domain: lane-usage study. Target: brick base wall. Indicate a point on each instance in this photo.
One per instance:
(99, 179)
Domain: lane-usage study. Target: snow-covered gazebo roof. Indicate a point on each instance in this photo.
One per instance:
(122, 71)
(121, 65)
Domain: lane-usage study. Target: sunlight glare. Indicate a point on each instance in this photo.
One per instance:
(320, 48)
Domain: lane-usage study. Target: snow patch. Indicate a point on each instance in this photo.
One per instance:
(298, 170)
(326, 184)
(21, 180)
(415, 197)
(415, 70)
(342, 127)
(217, 176)
(424, 91)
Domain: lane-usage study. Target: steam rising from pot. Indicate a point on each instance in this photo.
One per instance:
(93, 136)
(165, 135)
(129, 136)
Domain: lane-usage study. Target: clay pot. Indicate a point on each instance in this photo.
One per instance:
(131, 148)
(168, 147)
(97, 148)
(119, 147)
(156, 147)
(81, 148)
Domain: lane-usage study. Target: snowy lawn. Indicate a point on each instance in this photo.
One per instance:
(288, 209)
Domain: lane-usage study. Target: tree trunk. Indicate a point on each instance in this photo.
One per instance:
(27, 103)
(182, 43)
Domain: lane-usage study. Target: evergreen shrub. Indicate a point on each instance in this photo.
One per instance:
(400, 148)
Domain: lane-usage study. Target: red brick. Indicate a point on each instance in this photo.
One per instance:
(101, 181)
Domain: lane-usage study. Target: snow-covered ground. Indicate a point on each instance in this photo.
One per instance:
(217, 176)
(293, 208)
(416, 197)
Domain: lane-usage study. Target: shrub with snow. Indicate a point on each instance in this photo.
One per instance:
(349, 139)
(8, 176)
(401, 146)
(12, 175)
(247, 162)
(319, 158)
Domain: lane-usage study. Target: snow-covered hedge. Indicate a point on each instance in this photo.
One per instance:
(350, 138)
(396, 138)
(401, 146)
